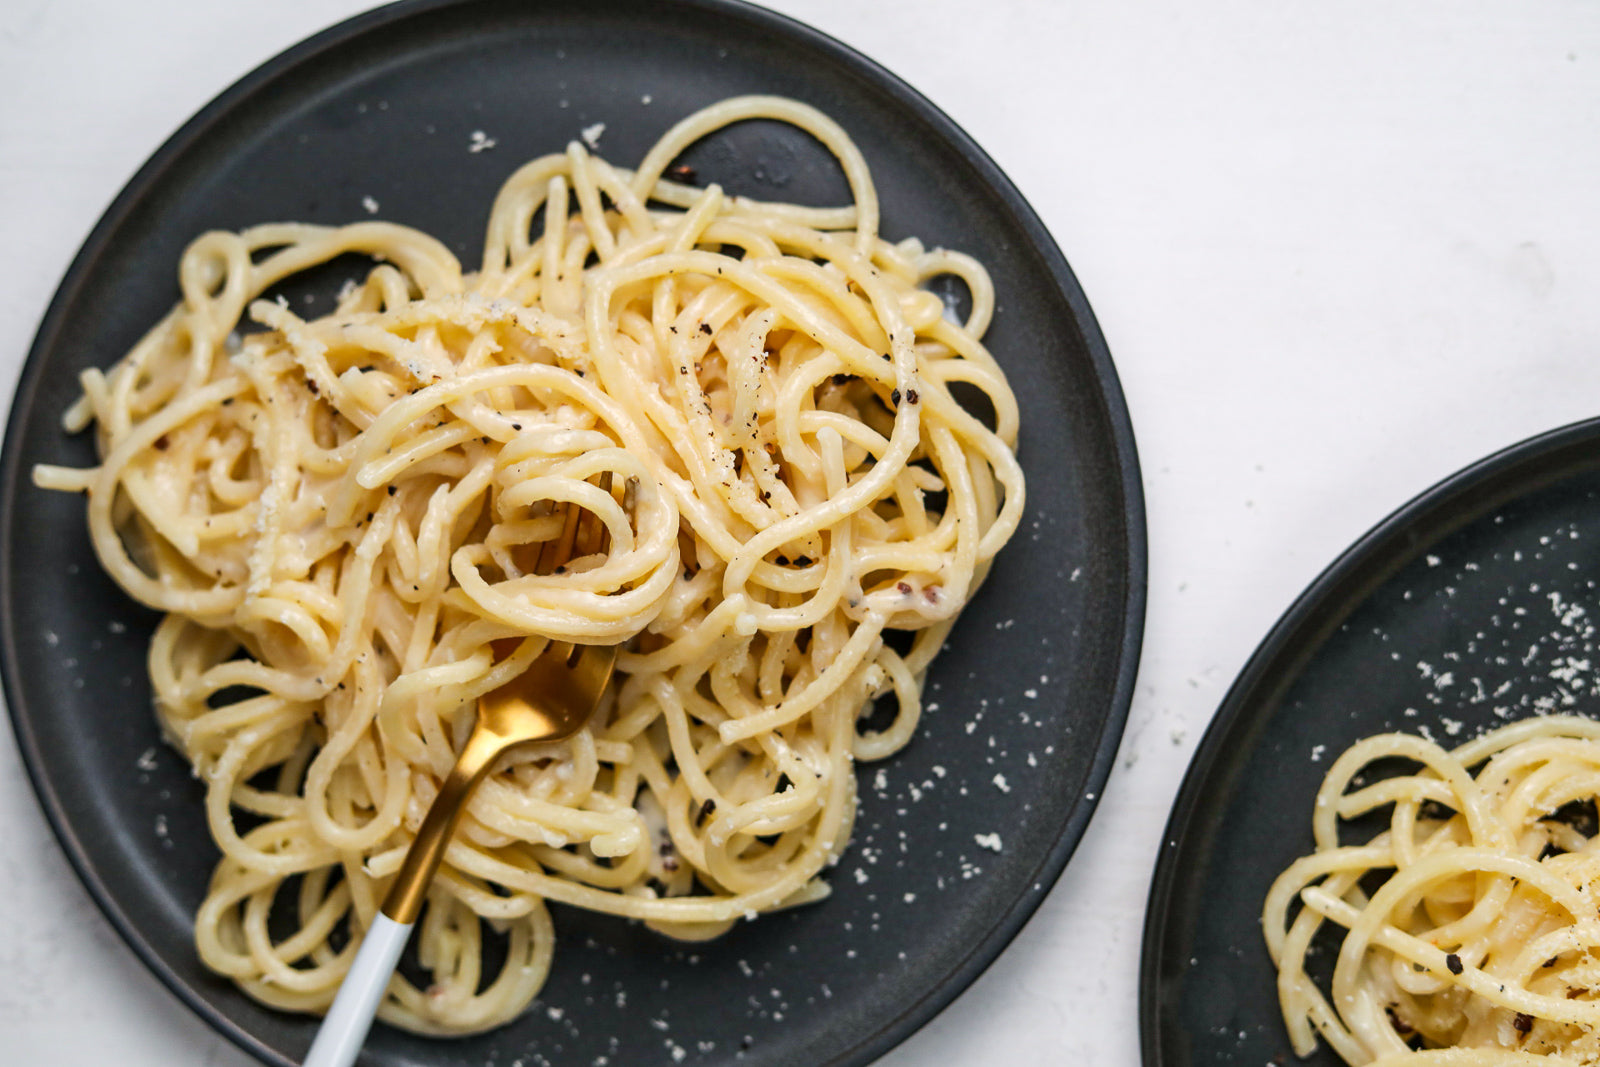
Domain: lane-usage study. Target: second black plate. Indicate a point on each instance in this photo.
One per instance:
(1473, 605)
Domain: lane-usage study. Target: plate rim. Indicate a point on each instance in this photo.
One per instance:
(1112, 404)
(1469, 493)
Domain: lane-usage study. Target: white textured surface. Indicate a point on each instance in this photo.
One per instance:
(1339, 251)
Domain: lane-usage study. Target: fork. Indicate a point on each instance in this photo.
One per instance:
(549, 701)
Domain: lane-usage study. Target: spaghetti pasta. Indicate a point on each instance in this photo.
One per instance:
(335, 515)
(1472, 924)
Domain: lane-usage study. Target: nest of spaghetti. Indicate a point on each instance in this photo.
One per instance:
(1471, 925)
(336, 515)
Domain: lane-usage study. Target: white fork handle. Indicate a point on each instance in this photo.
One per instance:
(345, 1027)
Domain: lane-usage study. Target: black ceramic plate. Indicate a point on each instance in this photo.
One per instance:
(1473, 605)
(1026, 706)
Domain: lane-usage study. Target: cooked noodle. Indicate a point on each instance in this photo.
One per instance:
(336, 514)
(1472, 924)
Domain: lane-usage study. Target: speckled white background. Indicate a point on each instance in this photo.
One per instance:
(1339, 251)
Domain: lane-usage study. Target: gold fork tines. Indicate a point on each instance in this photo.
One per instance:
(549, 701)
